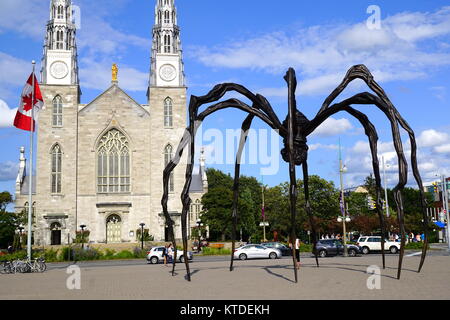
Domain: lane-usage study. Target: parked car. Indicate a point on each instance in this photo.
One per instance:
(373, 243)
(285, 251)
(251, 251)
(332, 247)
(155, 255)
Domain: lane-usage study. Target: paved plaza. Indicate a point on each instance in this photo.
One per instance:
(337, 278)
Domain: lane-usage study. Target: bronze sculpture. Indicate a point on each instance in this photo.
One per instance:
(295, 129)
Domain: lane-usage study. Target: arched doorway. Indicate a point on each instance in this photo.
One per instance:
(55, 235)
(113, 229)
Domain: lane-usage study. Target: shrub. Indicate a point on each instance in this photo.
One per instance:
(13, 256)
(414, 245)
(109, 254)
(207, 251)
(50, 255)
(81, 254)
(124, 254)
(139, 253)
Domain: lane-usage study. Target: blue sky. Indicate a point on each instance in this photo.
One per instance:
(253, 43)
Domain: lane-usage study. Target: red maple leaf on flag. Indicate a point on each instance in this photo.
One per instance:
(27, 105)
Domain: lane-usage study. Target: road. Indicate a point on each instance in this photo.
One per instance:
(251, 279)
(199, 258)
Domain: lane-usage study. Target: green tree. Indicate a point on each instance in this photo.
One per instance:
(8, 221)
(218, 205)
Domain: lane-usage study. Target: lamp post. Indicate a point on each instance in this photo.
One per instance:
(445, 207)
(385, 187)
(82, 226)
(142, 235)
(344, 218)
(199, 225)
(20, 236)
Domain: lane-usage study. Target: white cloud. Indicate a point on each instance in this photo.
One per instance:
(6, 115)
(8, 170)
(432, 158)
(317, 146)
(332, 126)
(322, 54)
(14, 72)
(445, 148)
(23, 16)
(430, 138)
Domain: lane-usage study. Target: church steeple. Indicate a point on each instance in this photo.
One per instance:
(59, 62)
(167, 69)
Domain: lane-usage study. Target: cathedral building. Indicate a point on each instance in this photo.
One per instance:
(100, 165)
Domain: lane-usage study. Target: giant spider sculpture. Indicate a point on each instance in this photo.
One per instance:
(295, 129)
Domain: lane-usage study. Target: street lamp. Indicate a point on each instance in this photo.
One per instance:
(344, 218)
(20, 236)
(199, 225)
(142, 235)
(385, 187)
(445, 208)
(82, 226)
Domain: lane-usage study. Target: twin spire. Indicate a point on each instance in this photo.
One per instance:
(60, 60)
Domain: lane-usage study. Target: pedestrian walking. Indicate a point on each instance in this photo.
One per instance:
(165, 255)
(170, 252)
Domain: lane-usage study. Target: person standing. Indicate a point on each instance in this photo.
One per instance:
(297, 252)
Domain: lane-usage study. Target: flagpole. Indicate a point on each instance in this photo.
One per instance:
(30, 182)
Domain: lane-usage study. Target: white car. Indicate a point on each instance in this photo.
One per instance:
(155, 255)
(251, 251)
(373, 243)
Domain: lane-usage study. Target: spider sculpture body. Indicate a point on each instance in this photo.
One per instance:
(294, 130)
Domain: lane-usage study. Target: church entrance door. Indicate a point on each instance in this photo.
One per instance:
(113, 229)
(55, 236)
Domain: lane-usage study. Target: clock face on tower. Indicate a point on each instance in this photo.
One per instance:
(167, 72)
(59, 70)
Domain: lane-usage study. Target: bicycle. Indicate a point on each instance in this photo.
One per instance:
(38, 265)
(6, 267)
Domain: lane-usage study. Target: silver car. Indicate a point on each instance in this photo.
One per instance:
(155, 255)
(256, 251)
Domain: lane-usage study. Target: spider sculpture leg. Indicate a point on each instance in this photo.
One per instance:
(291, 122)
(261, 109)
(244, 133)
(308, 209)
(372, 136)
(383, 103)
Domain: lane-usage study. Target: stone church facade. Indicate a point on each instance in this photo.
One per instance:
(100, 164)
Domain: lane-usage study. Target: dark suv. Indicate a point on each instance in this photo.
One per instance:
(333, 247)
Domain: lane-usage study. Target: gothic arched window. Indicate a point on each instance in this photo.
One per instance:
(198, 207)
(60, 12)
(113, 166)
(57, 112)
(167, 43)
(56, 160)
(168, 115)
(59, 39)
(168, 155)
(166, 16)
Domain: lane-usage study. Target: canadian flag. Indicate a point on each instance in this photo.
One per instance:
(24, 113)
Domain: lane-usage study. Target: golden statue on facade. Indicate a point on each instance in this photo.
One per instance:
(115, 71)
